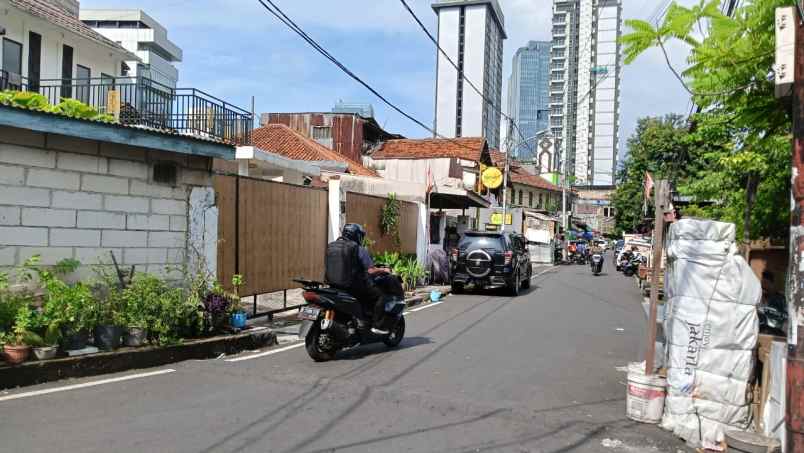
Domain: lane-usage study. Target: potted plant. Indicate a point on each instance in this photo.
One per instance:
(107, 332)
(238, 315)
(46, 347)
(15, 347)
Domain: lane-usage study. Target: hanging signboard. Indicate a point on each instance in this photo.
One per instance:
(492, 177)
(497, 217)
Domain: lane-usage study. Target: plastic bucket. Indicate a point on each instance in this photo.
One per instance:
(645, 400)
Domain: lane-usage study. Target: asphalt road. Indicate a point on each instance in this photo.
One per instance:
(481, 372)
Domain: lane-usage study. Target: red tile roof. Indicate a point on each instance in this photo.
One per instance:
(49, 12)
(280, 139)
(466, 148)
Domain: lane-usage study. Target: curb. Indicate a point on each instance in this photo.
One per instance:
(124, 359)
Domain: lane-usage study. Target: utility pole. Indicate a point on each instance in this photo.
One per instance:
(564, 220)
(508, 141)
(661, 205)
(795, 361)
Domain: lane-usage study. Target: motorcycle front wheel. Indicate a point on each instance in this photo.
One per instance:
(397, 333)
(319, 346)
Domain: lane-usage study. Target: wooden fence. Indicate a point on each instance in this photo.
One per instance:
(365, 210)
(270, 233)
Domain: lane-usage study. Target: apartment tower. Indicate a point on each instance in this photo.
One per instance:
(528, 98)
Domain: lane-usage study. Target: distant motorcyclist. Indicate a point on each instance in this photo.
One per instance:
(349, 267)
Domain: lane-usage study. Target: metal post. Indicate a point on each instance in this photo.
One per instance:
(660, 205)
(285, 298)
(795, 362)
(254, 300)
(564, 201)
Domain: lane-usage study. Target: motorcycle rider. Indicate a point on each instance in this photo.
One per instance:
(596, 249)
(349, 267)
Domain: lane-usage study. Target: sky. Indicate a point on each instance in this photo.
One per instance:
(234, 49)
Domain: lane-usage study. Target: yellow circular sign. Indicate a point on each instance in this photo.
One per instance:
(492, 177)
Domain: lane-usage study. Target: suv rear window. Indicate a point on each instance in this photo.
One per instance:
(481, 241)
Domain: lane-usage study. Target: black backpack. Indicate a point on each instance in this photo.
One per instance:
(342, 264)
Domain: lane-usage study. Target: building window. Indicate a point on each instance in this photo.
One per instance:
(530, 199)
(82, 74)
(322, 132)
(12, 60)
(520, 198)
(541, 200)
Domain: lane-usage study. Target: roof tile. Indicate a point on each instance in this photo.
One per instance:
(467, 148)
(280, 139)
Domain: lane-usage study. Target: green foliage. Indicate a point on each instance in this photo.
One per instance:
(389, 219)
(411, 272)
(22, 325)
(742, 135)
(67, 107)
(237, 304)
(390, 259)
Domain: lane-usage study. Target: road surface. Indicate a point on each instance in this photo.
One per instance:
(479, 372)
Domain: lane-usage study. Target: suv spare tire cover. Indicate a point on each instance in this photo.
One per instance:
(478, 263)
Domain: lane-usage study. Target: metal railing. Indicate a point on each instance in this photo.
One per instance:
(147, 103)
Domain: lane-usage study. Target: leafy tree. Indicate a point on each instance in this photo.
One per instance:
(742, 132)
(659, 146)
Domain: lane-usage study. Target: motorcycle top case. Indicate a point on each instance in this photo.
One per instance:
(341, 263)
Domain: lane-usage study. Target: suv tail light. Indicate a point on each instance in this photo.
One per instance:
(310, 297)
(509, 256)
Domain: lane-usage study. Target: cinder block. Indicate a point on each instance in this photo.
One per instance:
(8, 256)
(155, 190)
(166, 271)
(23, 155)
(128, 168)
(176, 256)
(145, 256)
(167, 239)
(48, 256)
(148, 222)
(24, 236)
(9, 215)
(48, 217)
(101, 219)
(12, 175)
(23, 137)
(72, 144)
(81, 162)
(54, 179)
(196, 177)
(123, 151)
(24, 196)
(74, 237)
(126, 204)
(117, 238)
(95, 255)
(162, 206)
(105, 184)
(79, 200)
(178, 223)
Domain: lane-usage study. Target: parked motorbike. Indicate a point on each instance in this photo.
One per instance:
(773, 316)
(330, 320)
(622, 259)
(597, 263)
(632, 267)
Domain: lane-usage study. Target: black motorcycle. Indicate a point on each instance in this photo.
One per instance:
(330, 320)
(597, 263)
(632, 266)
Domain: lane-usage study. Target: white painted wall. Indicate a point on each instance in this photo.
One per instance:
(474, 68)
(415, 170)
(99, 58)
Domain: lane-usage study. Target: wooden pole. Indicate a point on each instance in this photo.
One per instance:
(661, 204)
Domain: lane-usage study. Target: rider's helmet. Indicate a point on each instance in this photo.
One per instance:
(354, 232)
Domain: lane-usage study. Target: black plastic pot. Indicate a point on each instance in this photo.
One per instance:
(74, 340)
(108, 337)
(136, 336)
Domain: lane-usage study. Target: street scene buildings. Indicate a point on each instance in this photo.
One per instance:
(321, 238)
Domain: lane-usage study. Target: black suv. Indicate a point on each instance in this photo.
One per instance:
(489, 258)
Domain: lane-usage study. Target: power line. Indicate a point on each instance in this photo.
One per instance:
(460, 72)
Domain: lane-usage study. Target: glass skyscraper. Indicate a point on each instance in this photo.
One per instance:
(528, 96)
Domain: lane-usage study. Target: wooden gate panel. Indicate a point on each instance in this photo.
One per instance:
(365, 210)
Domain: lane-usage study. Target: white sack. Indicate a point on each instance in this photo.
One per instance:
(711, 328)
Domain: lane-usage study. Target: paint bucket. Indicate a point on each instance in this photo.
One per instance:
(645, 400)
(435, 296)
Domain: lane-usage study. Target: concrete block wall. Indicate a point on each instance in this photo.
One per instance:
(62, 197)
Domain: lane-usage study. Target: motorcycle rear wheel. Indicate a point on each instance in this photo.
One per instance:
(312, 343)
(397, 333)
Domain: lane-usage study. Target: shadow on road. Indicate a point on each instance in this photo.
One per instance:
(360, 352)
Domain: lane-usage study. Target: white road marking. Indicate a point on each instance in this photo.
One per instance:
(425, 307)
(263, 354)
(85, 385)
(542, 272)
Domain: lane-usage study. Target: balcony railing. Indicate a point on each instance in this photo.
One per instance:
(139, 101)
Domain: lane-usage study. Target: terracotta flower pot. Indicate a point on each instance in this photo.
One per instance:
(16, 354)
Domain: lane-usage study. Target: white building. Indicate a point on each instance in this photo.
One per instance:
(43, 43)
(141, 35)
(471, 33)
(585, 87)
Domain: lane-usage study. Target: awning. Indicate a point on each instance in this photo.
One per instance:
(443, 197)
